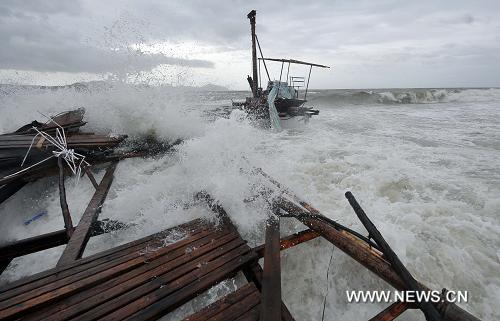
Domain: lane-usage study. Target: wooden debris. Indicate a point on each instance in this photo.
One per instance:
(290, 241)
(271, 278)
(78, 240)
(391, 312)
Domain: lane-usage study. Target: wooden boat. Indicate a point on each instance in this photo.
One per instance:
(281, 99)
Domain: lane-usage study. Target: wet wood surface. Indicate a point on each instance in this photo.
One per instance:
(141, 280)
(391, 312)
(80, 235)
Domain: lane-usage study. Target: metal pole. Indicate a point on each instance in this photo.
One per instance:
(288, 71)
(309, 77)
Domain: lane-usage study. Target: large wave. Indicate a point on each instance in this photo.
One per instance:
(404, 96)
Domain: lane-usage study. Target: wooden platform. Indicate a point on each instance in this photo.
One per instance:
(141, 280)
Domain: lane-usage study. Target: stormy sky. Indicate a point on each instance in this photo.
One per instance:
(369, 44)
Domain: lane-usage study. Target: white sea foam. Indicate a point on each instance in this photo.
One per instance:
(427, 174)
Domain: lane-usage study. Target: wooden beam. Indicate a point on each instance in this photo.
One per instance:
(369, 257)
(391, 312)
(431, 313)
(271, 278)
(78, 240)
(33, 244)
(290, 241)
(49, 240)
(68, 224)
(10, 189)
(253, 273)
(91, 177)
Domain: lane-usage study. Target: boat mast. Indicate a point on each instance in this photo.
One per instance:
(255, 81)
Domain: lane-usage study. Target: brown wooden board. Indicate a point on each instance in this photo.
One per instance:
(87, 299)
(64, 285)
(45, 277)
(270, 309)
(391, 312)
(220, 306)
(79, 237)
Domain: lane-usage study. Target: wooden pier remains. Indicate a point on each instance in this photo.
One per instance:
(150, 277)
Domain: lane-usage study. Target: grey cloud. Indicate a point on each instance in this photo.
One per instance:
(77, 36)
(39, 36)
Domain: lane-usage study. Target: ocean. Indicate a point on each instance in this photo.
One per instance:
(423, 163)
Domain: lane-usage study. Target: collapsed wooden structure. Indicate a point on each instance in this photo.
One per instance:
(148, 278)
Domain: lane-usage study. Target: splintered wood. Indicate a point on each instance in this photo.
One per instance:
(141, 280)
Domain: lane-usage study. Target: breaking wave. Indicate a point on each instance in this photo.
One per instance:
(404, 96)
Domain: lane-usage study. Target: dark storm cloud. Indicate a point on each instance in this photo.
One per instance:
(424, 39)
(50, 36)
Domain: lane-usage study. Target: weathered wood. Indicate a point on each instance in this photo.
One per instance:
(411, 284)
(290, 241)
(98, 259)
(155, 267)
(253, 273)
(391, 312)
(10, 189)
(221, 305)
(49, 240)
(270, 308)
(173, 295)
(170, 290)
(91, 177)
(252, 315)
(68, 224)
(371, 258)
(4, 264)
(76, 245)
(33, 244)
(93, 275)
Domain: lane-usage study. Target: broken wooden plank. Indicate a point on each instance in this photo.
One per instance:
(270, 308)
(93, 297)
(68, 224)
(391, 312)
(431, 313)
(33, 244)
(370, 258)
(222, 304)
(253, 273)
(98, 259)
(76, 245)
(49, 240)
(86, 276)
(91, 177)
(10, 189)
(290, 241)
(165, 299)
(168, 291)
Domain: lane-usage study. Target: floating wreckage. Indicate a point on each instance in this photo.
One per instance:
(133, 282)
(280, 100)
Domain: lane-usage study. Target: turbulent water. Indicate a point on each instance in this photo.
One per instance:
(424, 164)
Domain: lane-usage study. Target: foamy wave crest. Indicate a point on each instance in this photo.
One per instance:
(405, 96)
(166, 112)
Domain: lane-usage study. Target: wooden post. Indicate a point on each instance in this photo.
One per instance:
(68, 224)
(77, 242)
(290, 241)
(270, 307)
(251, 16)
(91, 177)
(372, 259)
(411, 284)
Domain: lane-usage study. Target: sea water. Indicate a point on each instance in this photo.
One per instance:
(423, 163)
